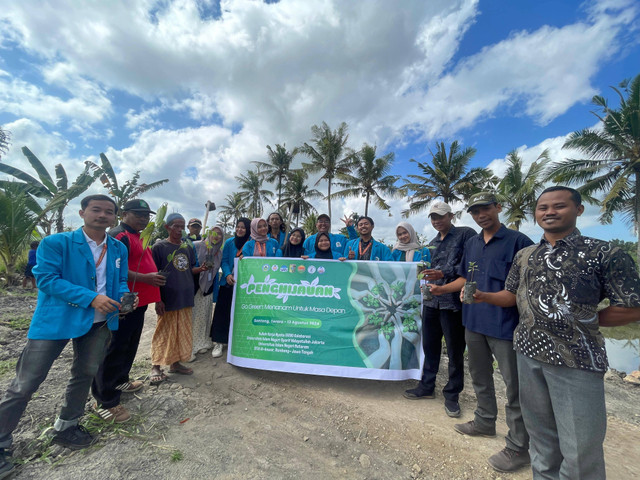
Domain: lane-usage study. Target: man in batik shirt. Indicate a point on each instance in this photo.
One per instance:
(557, 285)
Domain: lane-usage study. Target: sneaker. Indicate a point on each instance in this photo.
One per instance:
(117, 414)
(217, 350)
(508, 460)
(452, 408)
(418, 393)
(6, 467)
(130, 387)
(75, 438)
(470, 429)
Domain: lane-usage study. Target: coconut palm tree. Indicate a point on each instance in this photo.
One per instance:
(309, 224)
(369, 179)
(277, 168)
(56, 195)
(129, 189)
(17, 224)
(449, 179)
(251, 192)
(518, 191)
(329, 154)
(234, 207)
(296, 194)
(612, 163)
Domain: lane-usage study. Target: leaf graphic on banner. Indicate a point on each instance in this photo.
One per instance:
(335, 292)
(305, 283)
(315, 282)
(283, 296)
(266, 279)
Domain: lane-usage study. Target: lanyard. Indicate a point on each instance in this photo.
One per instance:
(102, 253)
(361, 252)
(262, 249)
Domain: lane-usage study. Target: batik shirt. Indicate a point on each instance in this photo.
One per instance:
(558, 289)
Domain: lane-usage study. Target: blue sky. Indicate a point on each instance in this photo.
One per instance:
(194, 91)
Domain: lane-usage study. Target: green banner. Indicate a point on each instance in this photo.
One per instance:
(352, 319)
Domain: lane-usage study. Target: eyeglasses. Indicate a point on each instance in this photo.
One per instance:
(323, 222)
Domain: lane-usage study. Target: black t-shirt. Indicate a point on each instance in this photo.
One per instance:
(178, 291)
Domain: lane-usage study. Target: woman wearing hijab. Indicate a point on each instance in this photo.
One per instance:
(407, 248)
(260, 244)
(209, 252)
(222, 314)
(293, 248)
(276, 228)
(322, 248)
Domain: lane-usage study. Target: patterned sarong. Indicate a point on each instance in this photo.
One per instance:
(172, 339)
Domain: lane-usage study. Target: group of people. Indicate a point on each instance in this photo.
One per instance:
(534, 311)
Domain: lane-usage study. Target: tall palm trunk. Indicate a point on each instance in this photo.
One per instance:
(636, 220)
(329, 195)
(366, 205)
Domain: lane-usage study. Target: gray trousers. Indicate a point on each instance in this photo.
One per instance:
(481, 350)
(565, 414)
(32, 368)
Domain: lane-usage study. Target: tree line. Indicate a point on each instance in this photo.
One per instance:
(607, 175)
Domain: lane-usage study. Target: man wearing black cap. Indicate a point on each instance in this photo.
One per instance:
(489, 330)
(338, 241)
(113, 375)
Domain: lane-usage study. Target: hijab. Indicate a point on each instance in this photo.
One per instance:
(293, 251)
(215, 251)
(240, 241)
(254, 230)
(323, 253)
(413, 244)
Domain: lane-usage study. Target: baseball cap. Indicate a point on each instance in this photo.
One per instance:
(323, 215)
(137, 205)
(194, 221)
(439, 208)
(481, 198)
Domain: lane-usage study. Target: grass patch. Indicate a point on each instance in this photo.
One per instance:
(18, 323)
(176, 456)
(8, 366)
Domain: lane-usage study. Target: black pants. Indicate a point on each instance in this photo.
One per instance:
(222, 315)
(117, 363)
(435, 324)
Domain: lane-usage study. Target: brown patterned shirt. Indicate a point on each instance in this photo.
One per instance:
(557, 291)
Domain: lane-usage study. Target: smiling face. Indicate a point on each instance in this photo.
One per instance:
(262, 227)
(403, 235)
(241, 230)
(295, 238)
(364, 227)
(487, 216)
(557, 213)
(99, 214)
(324, 243)
(323, 224)
(215, 235)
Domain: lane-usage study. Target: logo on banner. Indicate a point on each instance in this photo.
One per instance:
(285, 290)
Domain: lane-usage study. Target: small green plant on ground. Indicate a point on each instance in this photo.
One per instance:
(19, 323)
(8, 366)
(176, 456)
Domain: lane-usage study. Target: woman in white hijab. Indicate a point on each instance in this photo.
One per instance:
(407, 248)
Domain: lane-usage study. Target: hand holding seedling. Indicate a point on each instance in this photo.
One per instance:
(432, 275)
(478, 296)
(104, 304)
(437, 289)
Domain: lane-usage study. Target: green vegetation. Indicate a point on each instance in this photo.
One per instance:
(8, 366)
(176, 456)
(277, 168)
(18, 323)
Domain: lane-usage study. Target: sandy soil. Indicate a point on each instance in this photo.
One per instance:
(227, 422)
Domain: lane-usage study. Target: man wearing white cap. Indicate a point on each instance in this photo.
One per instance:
(442, 316)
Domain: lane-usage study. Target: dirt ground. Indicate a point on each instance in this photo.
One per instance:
(226, 422)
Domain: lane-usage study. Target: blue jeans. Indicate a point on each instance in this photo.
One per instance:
(565, 415)
(32, 368)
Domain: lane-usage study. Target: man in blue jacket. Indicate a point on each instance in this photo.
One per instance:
(365, 247)
(80, 275)
(338, 241)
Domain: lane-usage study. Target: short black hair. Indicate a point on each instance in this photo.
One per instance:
(84, 203)
(575, 195)
(365, 218)
(34, 245)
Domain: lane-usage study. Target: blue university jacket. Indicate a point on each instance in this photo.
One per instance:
(338, 241)
(419, 255)
(271, 247)
(66, 276)
(379, 251)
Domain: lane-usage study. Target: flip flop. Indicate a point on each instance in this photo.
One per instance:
(157, 378)
(182, 370)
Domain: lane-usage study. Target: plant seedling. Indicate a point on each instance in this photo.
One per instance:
(470, 286)
(422, 266)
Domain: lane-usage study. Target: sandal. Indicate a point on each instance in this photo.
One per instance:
(180, 369)
(157, 377)
(130, 387)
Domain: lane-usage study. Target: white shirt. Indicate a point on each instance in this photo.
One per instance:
(101, 271)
